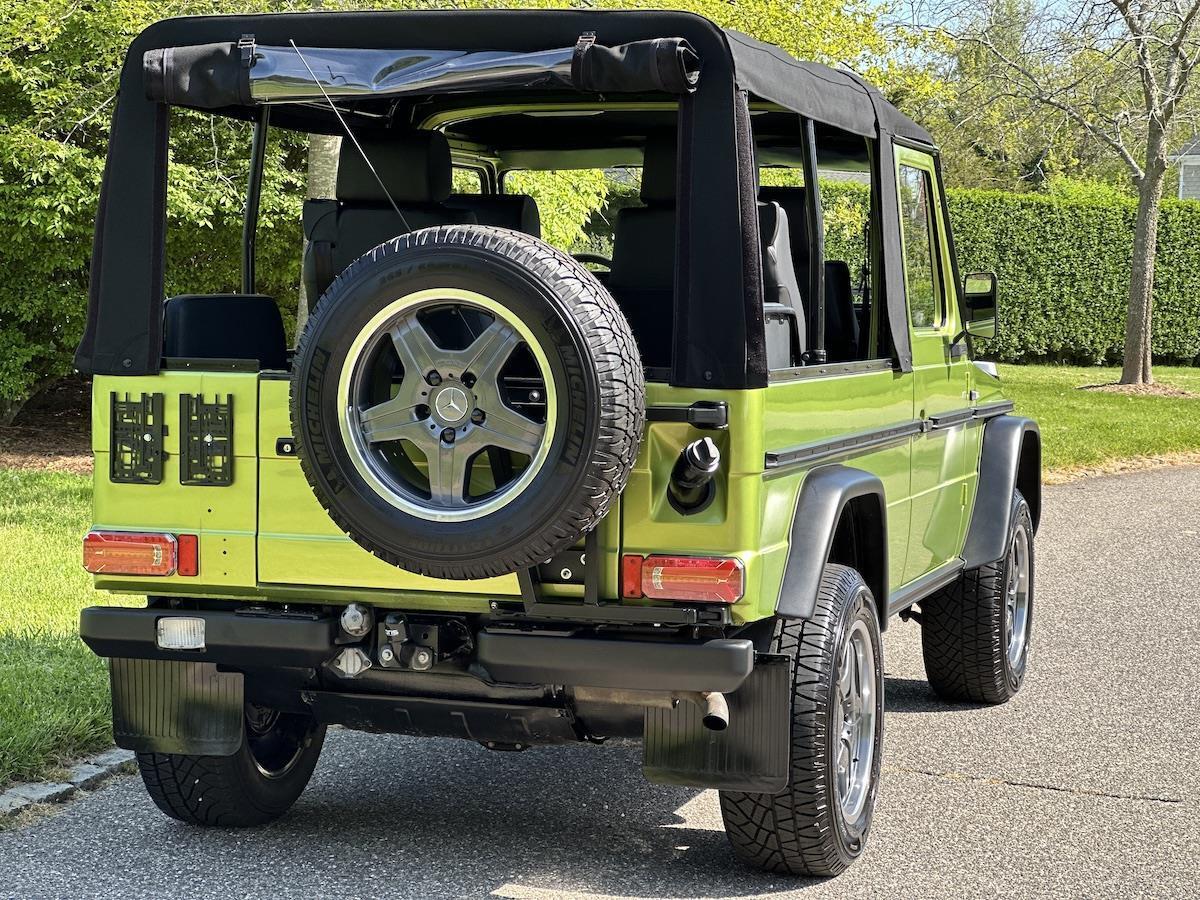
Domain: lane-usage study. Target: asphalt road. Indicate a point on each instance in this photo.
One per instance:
(1087, 784)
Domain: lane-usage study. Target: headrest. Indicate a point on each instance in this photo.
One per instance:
(415, 167)
(644, 250)
(658, 169)
(792, 201)
(516, 211)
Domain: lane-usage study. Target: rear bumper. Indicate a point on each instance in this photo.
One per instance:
(268, 639)
(526, 658)
(241, 639)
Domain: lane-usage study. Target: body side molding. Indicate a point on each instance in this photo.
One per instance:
(917, 590)
(824, 495)
(1011, 458)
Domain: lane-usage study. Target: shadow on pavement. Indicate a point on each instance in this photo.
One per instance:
(533, 824)
(914, 695)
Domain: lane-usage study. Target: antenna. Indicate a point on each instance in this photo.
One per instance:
(350, 134)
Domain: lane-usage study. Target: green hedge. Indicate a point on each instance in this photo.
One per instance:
(1063, 268)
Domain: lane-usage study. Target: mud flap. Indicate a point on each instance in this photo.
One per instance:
(176, 707)
(750, 755)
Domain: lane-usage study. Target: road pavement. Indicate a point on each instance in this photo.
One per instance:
(1085, 785)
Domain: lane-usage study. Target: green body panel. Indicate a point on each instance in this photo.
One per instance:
(224, 518)
(733, 524)
(806, 410)
(266, 536)
(298, 544)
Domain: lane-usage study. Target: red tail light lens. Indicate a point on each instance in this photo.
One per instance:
(697, 579)
(129, 553)
(189, 555)
(631, 575)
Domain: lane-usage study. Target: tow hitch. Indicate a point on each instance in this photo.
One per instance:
(406, 642)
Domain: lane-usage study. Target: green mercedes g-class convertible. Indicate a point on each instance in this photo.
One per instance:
(672, 492)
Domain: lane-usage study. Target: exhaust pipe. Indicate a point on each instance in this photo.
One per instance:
(716, 711)
(691, 488)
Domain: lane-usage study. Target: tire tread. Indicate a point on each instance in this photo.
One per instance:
(793, 832)
(962, 633)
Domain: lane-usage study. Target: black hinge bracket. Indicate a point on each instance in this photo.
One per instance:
(701, 414)
(206, 455)
(136, 439)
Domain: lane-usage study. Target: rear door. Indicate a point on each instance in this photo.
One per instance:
(300, 546)
(939, 483)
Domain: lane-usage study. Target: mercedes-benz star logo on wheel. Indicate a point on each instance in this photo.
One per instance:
(451, 404)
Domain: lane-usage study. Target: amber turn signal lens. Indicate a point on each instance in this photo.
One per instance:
(129, 553)
(697, 579)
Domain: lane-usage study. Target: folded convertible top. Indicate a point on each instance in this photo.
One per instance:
(217, 76)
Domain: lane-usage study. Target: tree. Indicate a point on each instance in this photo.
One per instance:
(1118, 71)
(323, 151)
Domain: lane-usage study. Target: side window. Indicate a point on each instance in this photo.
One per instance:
(922, 281)
(467, 181)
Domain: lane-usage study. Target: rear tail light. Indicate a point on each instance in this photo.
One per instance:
(697, 579)
(133, 553)
(189, 555)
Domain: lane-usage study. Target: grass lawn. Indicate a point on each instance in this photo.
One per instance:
(1087, 429)
(53, 691)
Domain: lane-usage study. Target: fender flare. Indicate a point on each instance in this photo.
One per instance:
(824, 496)
(1011, 459)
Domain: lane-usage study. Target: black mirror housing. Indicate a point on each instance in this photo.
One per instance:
(979, 304)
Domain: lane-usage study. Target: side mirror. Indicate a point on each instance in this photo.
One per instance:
(979, 305)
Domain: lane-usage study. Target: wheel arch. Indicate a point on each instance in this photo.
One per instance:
(1011, 459)
(841, 516)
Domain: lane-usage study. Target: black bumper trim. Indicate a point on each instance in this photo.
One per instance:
(523, 658)
(231, 638)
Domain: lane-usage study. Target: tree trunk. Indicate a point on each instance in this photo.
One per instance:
(323, 152)
(1138, 330)
(9, 408)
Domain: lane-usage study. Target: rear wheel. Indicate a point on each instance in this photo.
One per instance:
(818, 824)
(254, 786)
(975, 633)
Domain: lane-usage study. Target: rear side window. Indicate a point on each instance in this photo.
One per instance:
(922, 282)
(467, 181)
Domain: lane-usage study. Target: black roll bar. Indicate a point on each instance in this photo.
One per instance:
(258, 153)
(816, 239)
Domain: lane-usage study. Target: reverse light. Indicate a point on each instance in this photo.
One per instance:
(180, 633)
(137, 553)
(697, 579)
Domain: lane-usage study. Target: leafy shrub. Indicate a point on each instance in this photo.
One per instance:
(1063, 264)
(1064, 267)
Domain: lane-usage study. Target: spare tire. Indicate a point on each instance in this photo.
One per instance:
(467, 401)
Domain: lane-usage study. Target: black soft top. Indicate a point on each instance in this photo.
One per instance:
(833, 96)
(718, 339)
(206, 75)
